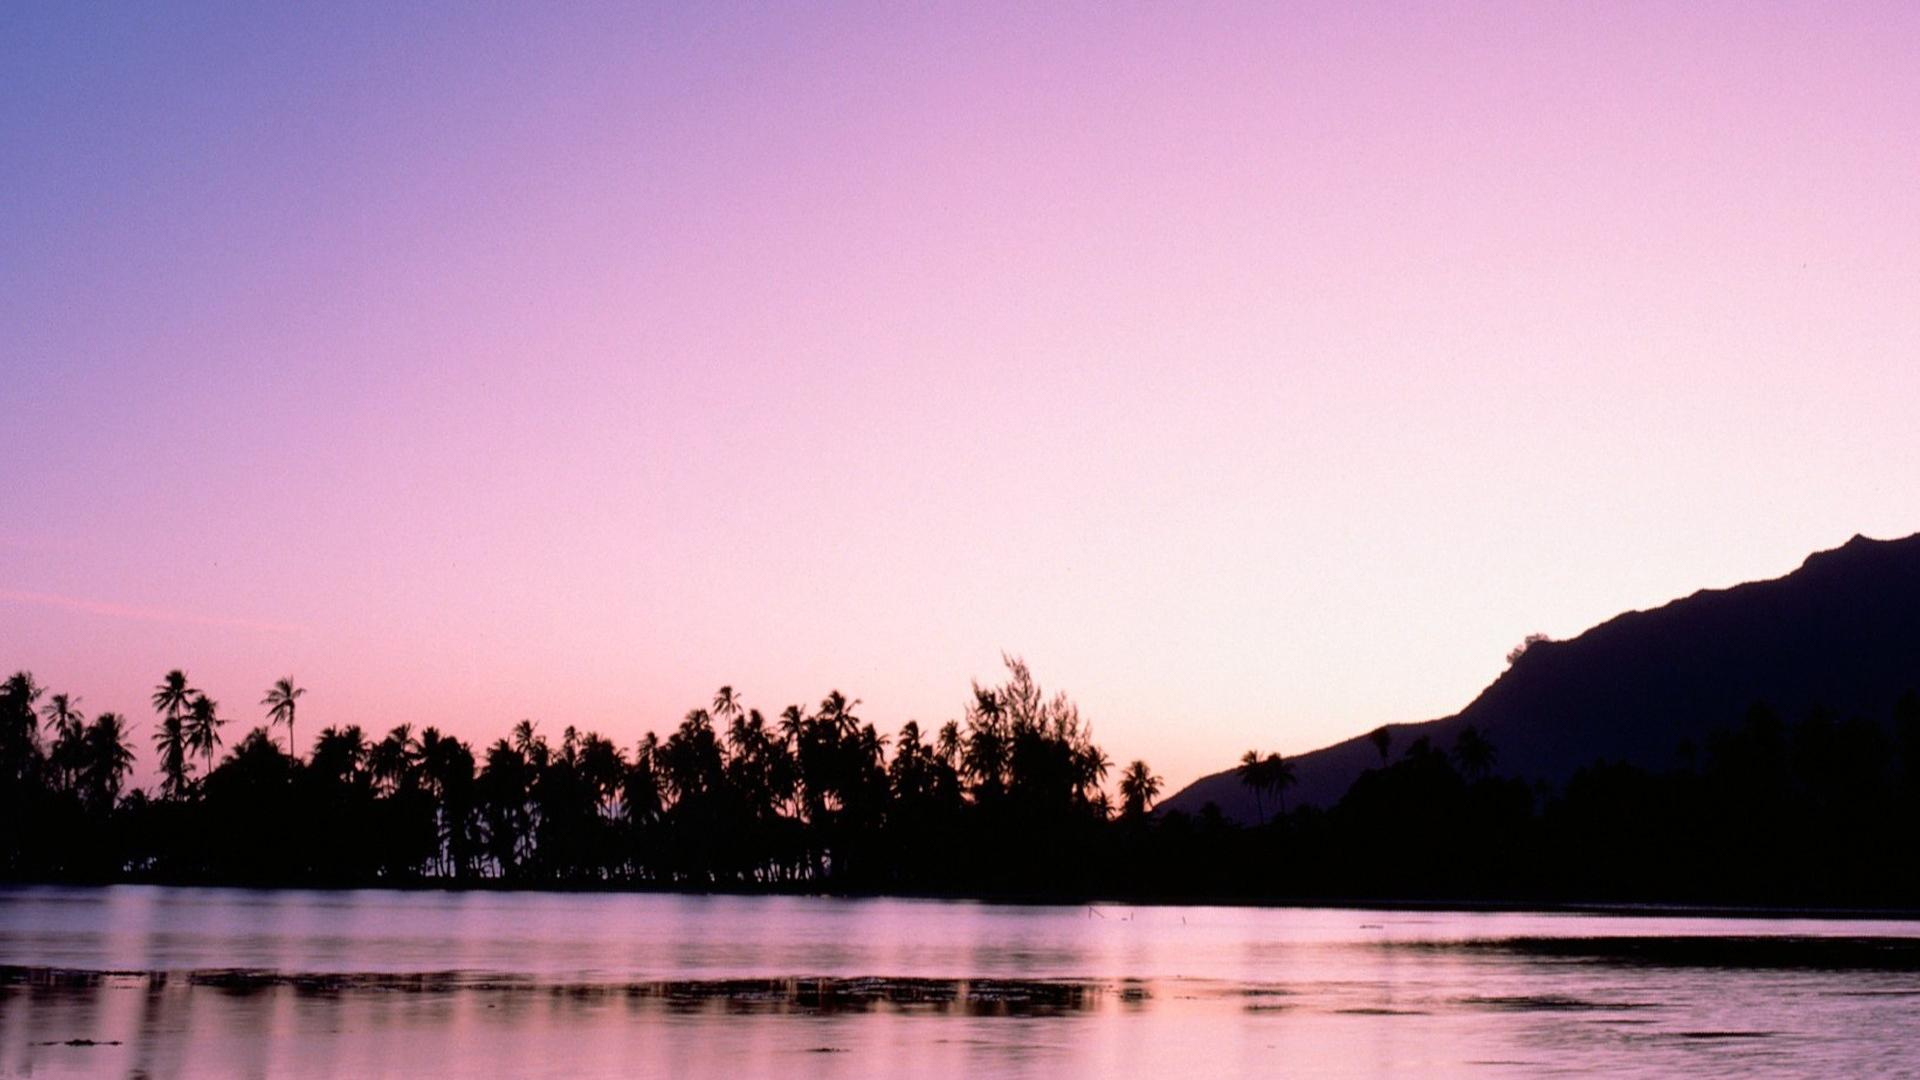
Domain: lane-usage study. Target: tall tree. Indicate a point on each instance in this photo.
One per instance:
(1473, 752)
(109, 758)
(170, 741)
(203, 722)
(1252, 772)
(67, 724)
(340, 755)
(1138, 788)
(1279, 777)
(392, 760)
(280, 700)
(173, 694)
(170, 700)
(20, 756)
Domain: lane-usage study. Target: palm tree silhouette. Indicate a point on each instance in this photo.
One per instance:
(392, 759)
(529, 744)
(19, 731)
(109, 760)
(170, 699)
(63, 716)
(1271, 774)
(340, 754)
(1138, 787)
(280, 700)
(171, 744)
(173, 693)
(1252, 772)
(203, 721)
(1473, 751)
(1279, 777)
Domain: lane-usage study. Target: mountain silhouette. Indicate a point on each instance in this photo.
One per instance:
(1841, 633)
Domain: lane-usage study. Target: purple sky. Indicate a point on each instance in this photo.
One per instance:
(1260, 374)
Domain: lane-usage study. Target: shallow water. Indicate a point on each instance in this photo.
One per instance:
(138, 981)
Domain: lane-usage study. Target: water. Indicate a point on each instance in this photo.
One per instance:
(152, 982)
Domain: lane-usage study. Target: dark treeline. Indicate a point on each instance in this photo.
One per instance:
(1817, 811)
(1011, 799)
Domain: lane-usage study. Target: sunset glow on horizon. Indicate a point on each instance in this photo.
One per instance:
(1259, 379)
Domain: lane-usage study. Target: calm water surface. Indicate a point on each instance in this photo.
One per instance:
(137, 981)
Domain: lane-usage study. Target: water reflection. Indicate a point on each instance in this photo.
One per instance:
(174, 983)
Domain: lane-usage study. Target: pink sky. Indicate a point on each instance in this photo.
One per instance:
(1260, 374)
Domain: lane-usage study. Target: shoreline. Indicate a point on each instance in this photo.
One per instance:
(1626, 909)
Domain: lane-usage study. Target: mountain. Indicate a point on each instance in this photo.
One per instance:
(1842, 632)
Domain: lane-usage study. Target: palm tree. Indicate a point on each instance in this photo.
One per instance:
(726, 703)
(170, 699)
(173, 693)
(1473, 751)
(1279, 778)
(641, 799)
(203, 722)
(1252, 772)
(63, 716)
(837, 711)
(62, 712)
(530, 744)
(1138, 787)
(340, 754)
(392, 759)
(171, 744)
(109, 760)
(603, 766)
(446, 773)
(280, 702)
(1090, 765)
(20, 756)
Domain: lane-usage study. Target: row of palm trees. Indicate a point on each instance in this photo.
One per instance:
(190, 723)
(1265, 775)
(89, 760)
(729, 795)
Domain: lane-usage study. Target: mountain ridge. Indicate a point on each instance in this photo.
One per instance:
(1842, 631)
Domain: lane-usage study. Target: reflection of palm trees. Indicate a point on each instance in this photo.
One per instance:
(280, 700)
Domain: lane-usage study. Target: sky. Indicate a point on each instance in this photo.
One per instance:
(1261, 374)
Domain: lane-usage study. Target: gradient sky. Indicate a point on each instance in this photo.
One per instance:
(1261, 374)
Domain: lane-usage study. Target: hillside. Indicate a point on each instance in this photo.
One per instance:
(1842, 631)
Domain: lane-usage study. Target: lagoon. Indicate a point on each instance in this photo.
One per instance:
(174, 982)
